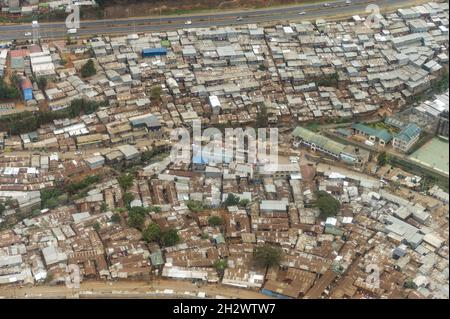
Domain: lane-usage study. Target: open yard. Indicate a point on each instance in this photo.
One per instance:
(434, 154)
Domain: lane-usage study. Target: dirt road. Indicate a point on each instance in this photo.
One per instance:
(131, 289)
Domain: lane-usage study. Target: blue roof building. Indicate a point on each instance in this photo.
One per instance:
(151, 52)
(383, 137)
(407, 137)
(27, 89)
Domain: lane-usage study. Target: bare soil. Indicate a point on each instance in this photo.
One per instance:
(128, 8)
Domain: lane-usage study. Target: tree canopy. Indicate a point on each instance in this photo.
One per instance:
(267, 256)
(195, 206)
(232, 200)
(136, 220)
(382, 159)
(115, 218)
(42, 83)
(170, 237)
(125, 181)
(30, 121)
(127, 199)
(327, 204)
(8, 91)
(262, 118)
(152, 233)
(155, 93)
(88, 69)
(215, 221)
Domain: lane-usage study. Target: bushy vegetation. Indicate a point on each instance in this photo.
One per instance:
(115, 218)
(155, 93)
(75, 187)
(127, 199)
(215, 221)
(442, 84)
(220, 266)
(30, 121)
(88, 69)
(196, 206)
(8, 91)
(126, 181)
(328, 80)
(262, 118)
(232, 200)
(382, 159)
(51, 198)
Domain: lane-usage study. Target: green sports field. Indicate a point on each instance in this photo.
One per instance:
(434, 153)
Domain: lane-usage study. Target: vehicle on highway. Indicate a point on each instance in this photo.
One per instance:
(239, 19)
(302, 13)
(348, 2)
(28, 34)
(326, 4)
(71, 31)
(188, 22)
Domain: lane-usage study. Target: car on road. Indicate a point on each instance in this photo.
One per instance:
(71, 31)
(326, 4)
(28, 34)
(239, 19)
(302, 13)
(348, 2)
(188, 22)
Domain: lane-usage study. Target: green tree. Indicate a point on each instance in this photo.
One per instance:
(152, 233)
(155, 93)
(204, 235)
(232, 200)
(409, 284)
(125, 181)
(8, 91)
(267, 256)
(195, 206)
(156, 209)
(170, 237)
(442, 84)
(104, 207)
(147, 156)
(215, 221)
(138, 209)
(262, 118)
(42, 83)
(244, 202)
(220, 266)
(2, 208)
(327, 204)
(96, 226)
(88, 69)
(127, 199)
(382, 159)
(115, 218)
(136, 220)
(76, 187)
(329, 80)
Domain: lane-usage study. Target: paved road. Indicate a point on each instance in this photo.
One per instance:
(146, 24)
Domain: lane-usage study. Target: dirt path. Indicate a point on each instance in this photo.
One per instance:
(135, 289)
